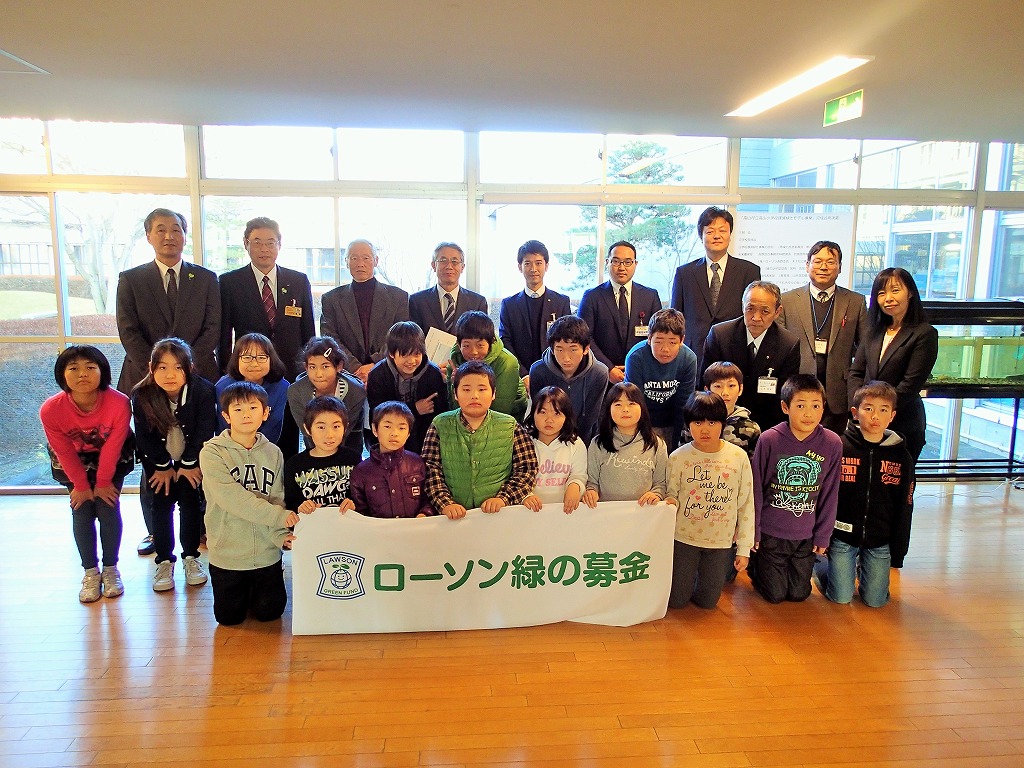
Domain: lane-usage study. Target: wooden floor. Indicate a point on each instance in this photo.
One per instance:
(934, 679)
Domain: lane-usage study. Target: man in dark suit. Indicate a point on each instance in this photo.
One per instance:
(766, 353)
(360, 314)
(618, 310)
(525, 318)
(710, 290)
(441, 306)
(830, 322)
(244, 308)
(167, 297)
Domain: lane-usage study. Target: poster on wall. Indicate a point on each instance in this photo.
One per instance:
(610, 565)
(779, 242)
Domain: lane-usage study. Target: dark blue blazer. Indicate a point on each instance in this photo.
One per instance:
(514, 324)
(599, 309)
(425, 307)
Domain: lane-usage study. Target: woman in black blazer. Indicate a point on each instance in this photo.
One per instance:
(900, 349)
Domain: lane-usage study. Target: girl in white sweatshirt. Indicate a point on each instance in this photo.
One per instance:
(561, 454)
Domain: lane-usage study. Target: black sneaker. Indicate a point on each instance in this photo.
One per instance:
(146, 547)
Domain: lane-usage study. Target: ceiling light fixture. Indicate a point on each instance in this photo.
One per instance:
(812, 78)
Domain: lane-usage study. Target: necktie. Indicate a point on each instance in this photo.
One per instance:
(752, 351)
(172, 290)
(822, 296)
(716, 285)
(268, 301)
(449, 312)
(623, 312)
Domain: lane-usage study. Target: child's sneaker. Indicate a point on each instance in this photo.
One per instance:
(112, 584)
(90, 591)
(163, 579)
(194, 573)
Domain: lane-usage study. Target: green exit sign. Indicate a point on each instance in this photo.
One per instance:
(844, 108)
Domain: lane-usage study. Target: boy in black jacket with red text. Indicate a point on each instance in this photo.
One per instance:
(876, 492)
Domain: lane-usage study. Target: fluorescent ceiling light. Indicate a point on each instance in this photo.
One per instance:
(812, 78)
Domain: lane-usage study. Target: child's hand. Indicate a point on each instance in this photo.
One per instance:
(292, 520)
(287, 544)
(426, 405)
(820, 550)
(672, 501)
(78, 498)
(648, 498)
(161, 480)
(307, 507)
(617, 374)
(590, 498)
(492, 504)
(756, 545)
(346, 505)
(740, 563)
(454, 511)
(533, 502)
(108, 494)
(571, 500)
(194, 476)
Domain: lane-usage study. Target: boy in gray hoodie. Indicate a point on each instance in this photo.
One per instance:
(246, 521)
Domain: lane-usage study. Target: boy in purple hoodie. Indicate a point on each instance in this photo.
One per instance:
(390, 482)
(796, 468)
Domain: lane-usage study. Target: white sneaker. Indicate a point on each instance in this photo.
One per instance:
(194, 573)
(163, 579)
(90, 591)
(112, 584)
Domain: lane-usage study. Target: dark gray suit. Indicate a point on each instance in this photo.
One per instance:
(340, 320)
(515, 325)
(144, 317)
(425, 307)
(849, 318)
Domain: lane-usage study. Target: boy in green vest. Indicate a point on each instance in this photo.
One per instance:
(477, 457)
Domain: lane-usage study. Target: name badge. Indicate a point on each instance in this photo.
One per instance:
(641, 331)
(767, 385)
(293, 311)
(820, 346)
(550, 323)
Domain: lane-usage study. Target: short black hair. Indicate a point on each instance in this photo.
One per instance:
(801, 382)
(406, 338)
(722, 370)
(559, 400)
(569, 329)
(81, 352)
(393, 408)
(533, 246)
(711, 213)
(324, 346)
(477, 367)
(277, 368)
(261, 222)
(324, 404)
(705, 406)
(624, 244)
(240, 392)
(826, 245)
(883, 390)
(877, 319)
(475, 325)
(667, 320)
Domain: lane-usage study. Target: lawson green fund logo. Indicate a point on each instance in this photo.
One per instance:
(340, 576)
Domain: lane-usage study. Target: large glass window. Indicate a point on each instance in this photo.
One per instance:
(927, 241)
(26, 379)
(103, 236)
(134, 149)
(21, 146)
(28, 296)
(265, 152)
(925, 165)
(799, 163)
(686, 160)
(1001, 262)
(404, 233)
(540, 158)
(568, 231)
(1005, 167)
(400, 155)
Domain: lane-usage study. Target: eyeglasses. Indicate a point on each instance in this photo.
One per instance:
(446, 262)
(264, 243)
(254, 358)
(827, 263)
(622, 262)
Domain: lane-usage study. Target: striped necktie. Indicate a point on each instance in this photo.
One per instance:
(172, 290)
(268, 301)
(449, 312)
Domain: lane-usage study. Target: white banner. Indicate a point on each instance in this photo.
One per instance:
(610, 565)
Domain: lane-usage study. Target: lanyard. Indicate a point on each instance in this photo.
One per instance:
(814, 315)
